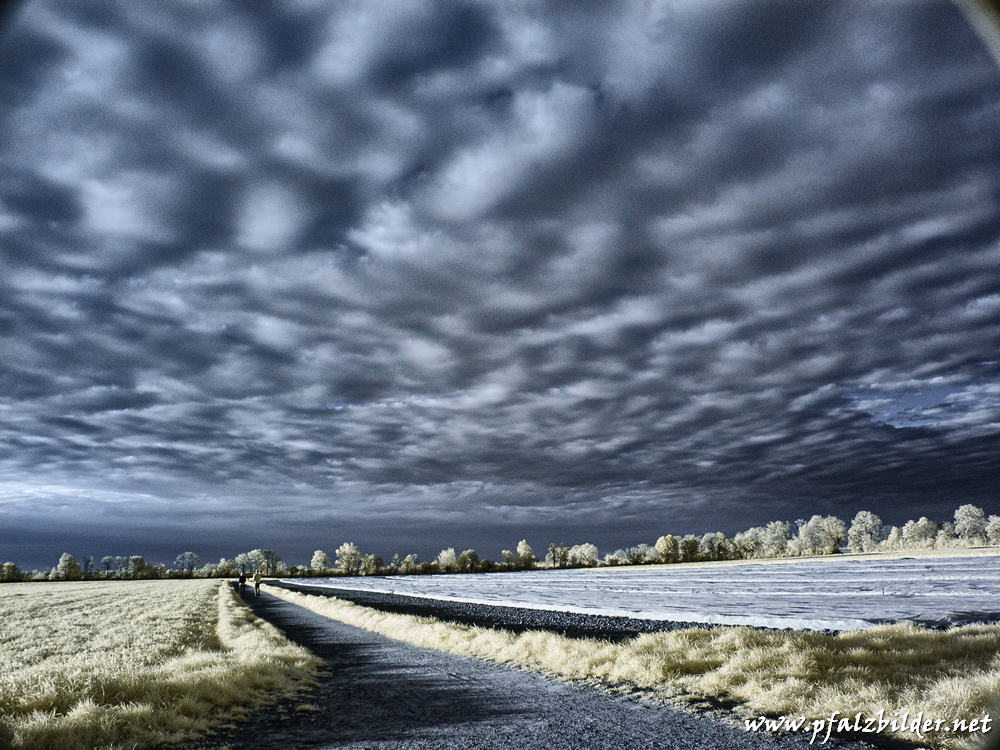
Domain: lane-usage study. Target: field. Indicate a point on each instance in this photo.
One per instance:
(835, 592)
(130, 664)
(947, 674)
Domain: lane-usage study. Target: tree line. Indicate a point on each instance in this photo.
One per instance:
(820, 535)
(135, 567)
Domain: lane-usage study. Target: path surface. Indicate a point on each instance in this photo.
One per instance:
(385, 695)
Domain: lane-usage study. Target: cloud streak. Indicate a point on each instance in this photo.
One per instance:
(612, 267)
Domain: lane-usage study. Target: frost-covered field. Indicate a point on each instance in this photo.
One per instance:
(813, 594)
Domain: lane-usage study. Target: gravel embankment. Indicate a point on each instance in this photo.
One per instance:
(515, 619)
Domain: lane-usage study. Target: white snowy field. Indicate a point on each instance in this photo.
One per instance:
(812, 594)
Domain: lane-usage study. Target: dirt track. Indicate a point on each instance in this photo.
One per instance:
(379, 693)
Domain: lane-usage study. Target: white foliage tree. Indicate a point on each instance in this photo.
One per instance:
(775, 537)
(618, 557)
(714, 546)
(210, 570)
(820, 535)
(687, 548)
(68, 568)
(865, 532)
(893, 540)
(370, 565)
(9, 572)
(348, 558)
(320, 561)
(920, 534)
(993, 530)
(749, 544)
(447, 560)
(970, 524)
(243, 563)
(666, 547)
(583, 555)
(946, 537)
(525, 555)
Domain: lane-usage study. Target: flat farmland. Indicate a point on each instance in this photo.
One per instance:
(833, 593)
(123, 664)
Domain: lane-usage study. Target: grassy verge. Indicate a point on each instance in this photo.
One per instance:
(947, 674)
(130, 664)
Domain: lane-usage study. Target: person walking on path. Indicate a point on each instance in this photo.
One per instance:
(243, 582)
(256, 583)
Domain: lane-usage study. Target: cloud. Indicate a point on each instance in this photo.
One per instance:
(588, 268)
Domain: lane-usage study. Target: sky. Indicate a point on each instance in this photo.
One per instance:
(439, 274)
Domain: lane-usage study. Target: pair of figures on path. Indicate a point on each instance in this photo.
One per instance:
(256, 582)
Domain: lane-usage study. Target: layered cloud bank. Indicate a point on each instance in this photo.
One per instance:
(427, 266)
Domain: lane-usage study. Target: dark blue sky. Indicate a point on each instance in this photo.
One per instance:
(427, 274)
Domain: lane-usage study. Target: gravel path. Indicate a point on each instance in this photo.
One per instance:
(381, 694)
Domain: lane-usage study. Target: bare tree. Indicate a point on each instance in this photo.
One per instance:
(264, 560)
(468, 561)
(139, 568)
(187, 562)
(558, 556)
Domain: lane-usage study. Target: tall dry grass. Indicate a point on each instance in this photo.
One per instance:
(950, 674)
(129, 664)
